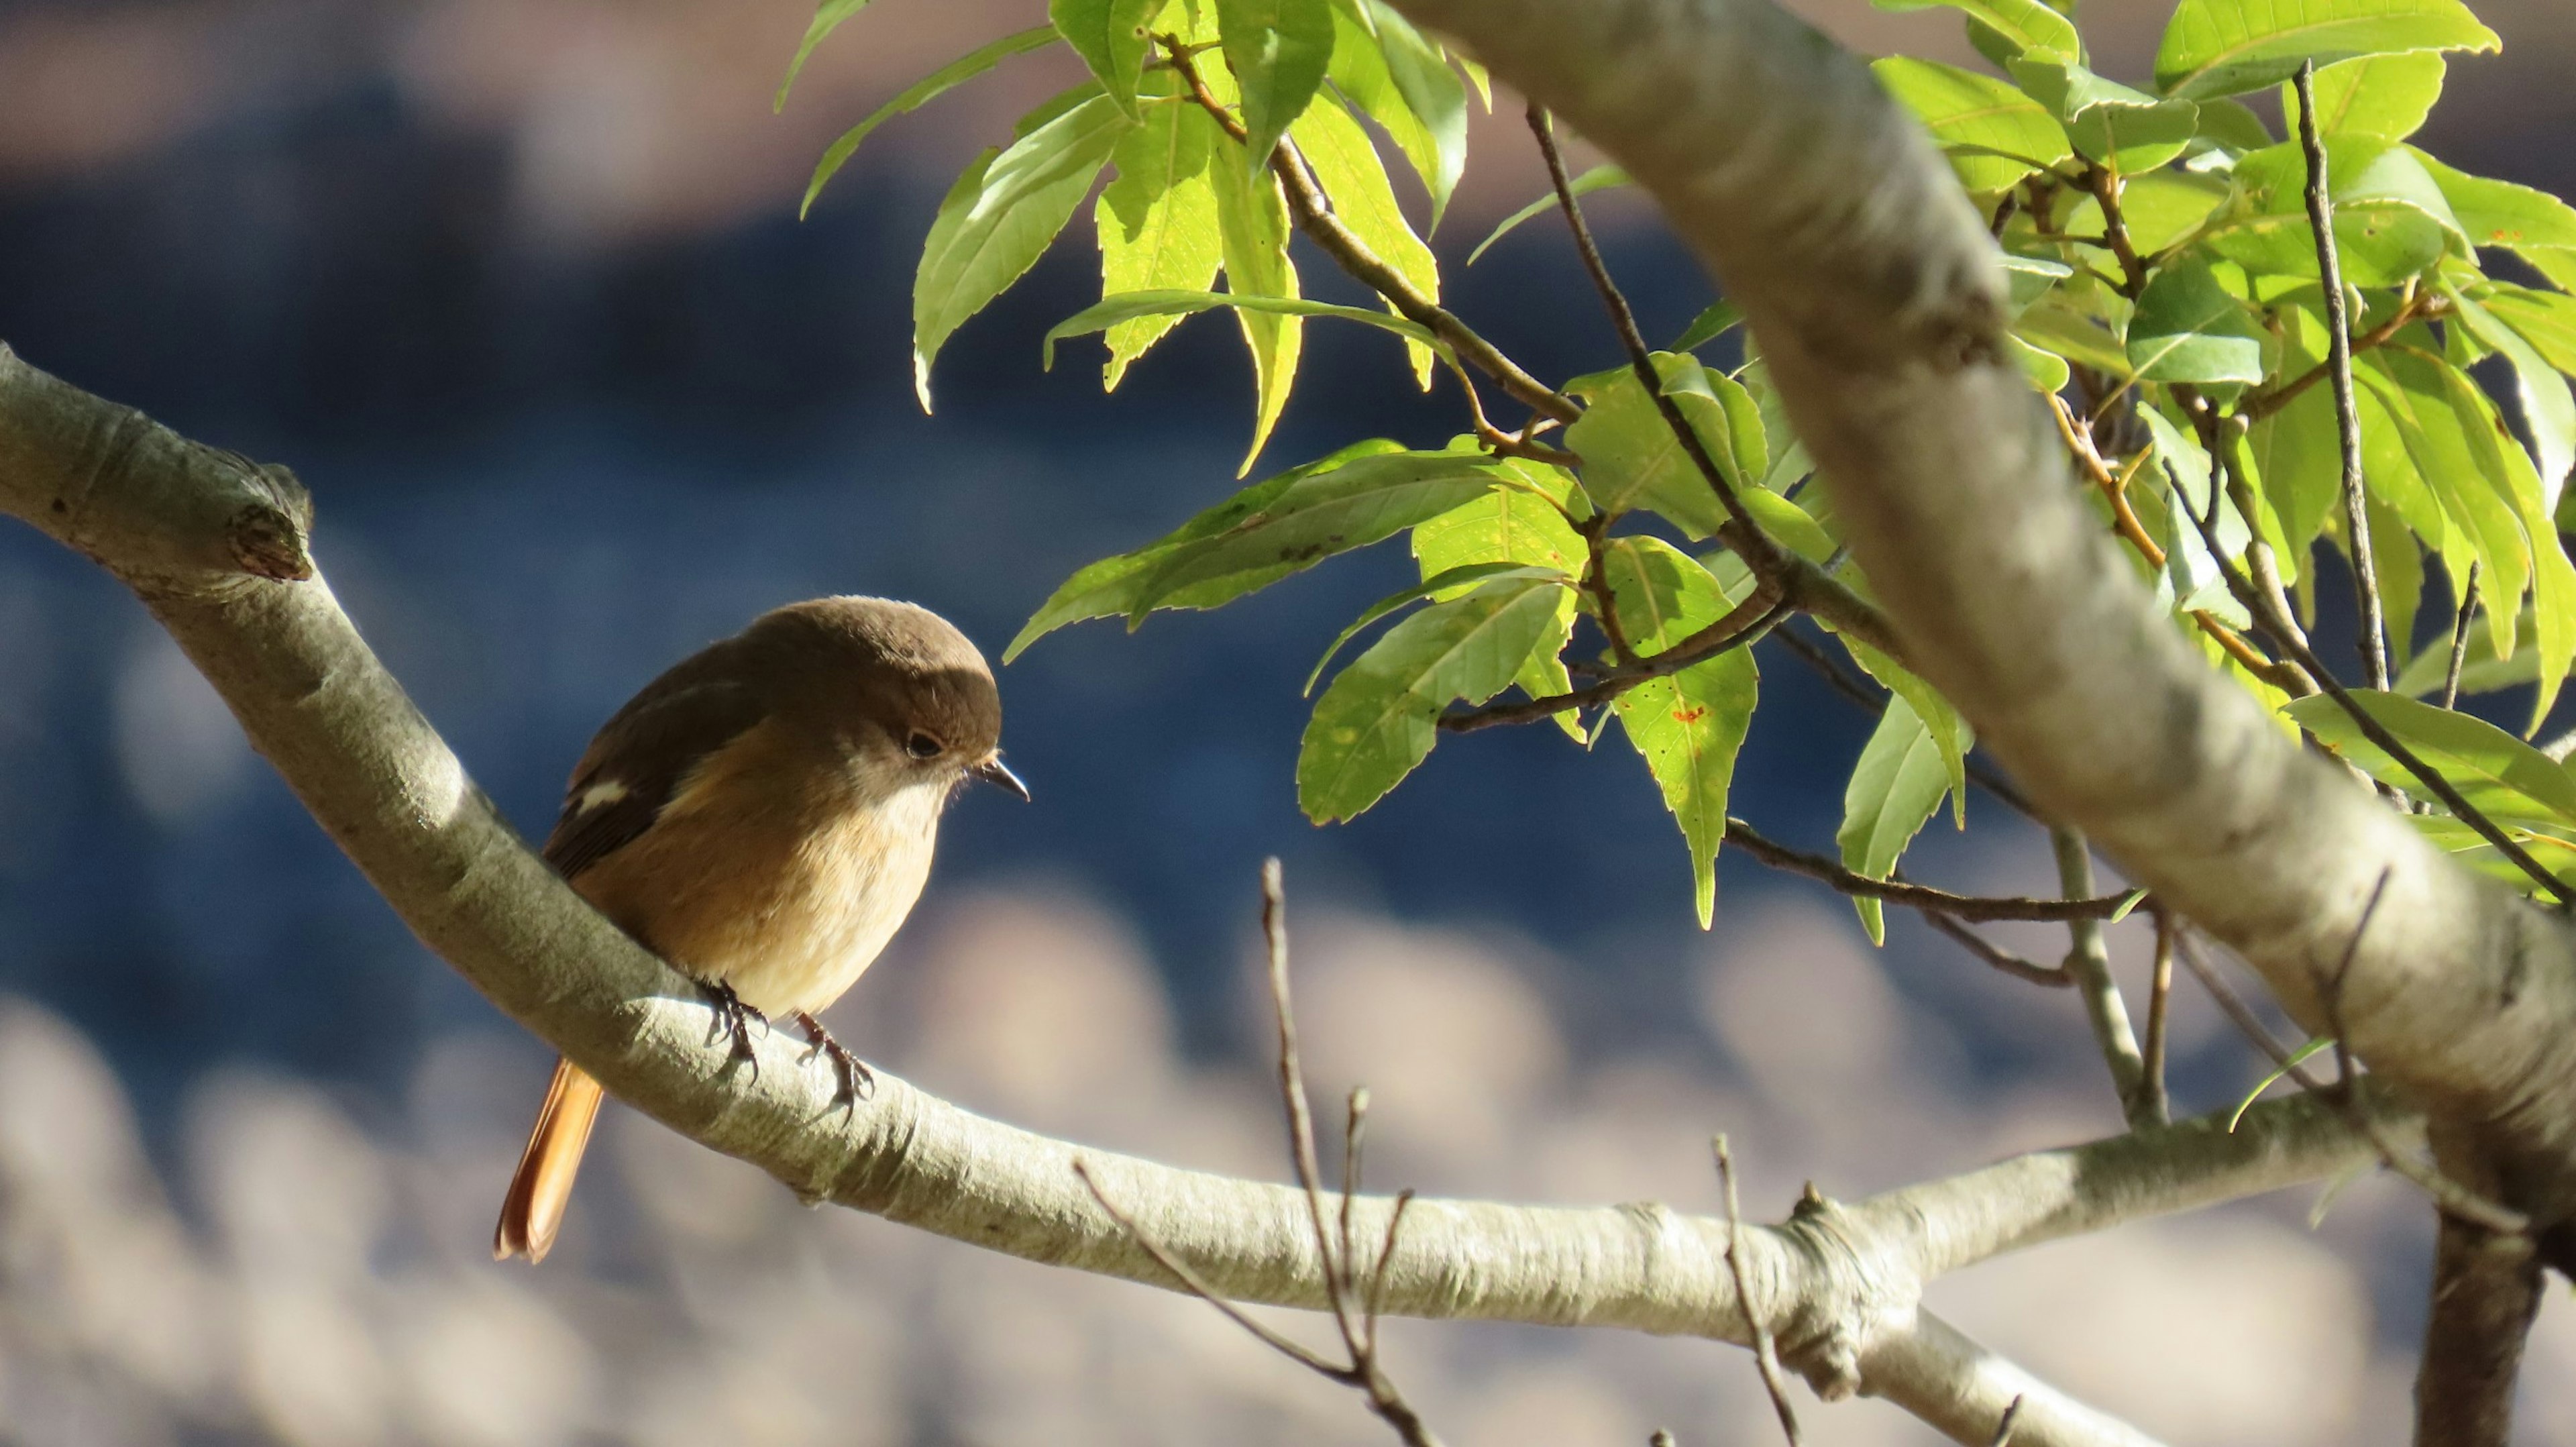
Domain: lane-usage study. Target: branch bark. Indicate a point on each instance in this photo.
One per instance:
(217, 548)
(1879, 302)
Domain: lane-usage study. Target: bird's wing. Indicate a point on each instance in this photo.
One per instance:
(640, 757)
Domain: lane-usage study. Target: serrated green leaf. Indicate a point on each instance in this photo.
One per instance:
(1252, 233)
(2384, 97)
(1359, 78)
(2508, 470)
(920, 93)
(1631, 458)
(1277, 50)
(1951, 736)
(1157, 223)
(2391, 221)
(2188, 328)
(1687, 727)
(1599, 178)
(1429, 90)
(2011, 134)
(1376, 722)
(2548, 410)
(827, 18)
(2534, 225)
(1523, 525)
(2227, 47)
(1720, 318)
(1114, 587)
(1455, 581)
(1111, 311)
(1109, 35)
(1894, 791)
(1346, 165)
(2500, 775)
(2128, 130)
(999, 217)
(2028, 26)
(2554, 853)
(2545, 319)
(2449, 455)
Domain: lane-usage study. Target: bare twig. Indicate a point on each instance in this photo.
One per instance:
(1197, 1285)
(2088, 960)
(2460, 645)
(1745, 623)
(1766, 1352)
(2415, 308)
(1292, 1091)
(2105, 186)
(1916, 896)
(1997, 956)
(1314, 216)
(2159, 1001)
(2356, 511)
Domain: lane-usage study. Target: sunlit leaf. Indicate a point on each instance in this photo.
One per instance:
(2534, 225)
(2030, 27)
(1716, 321)
(2554, 852)
(1894, 792)
(2128, 130)
(1951, 735)
(2188, 328)
(1277, 50)
(2500, 775)
(1523, 525)
(1001, 215)
(1252, 233)
(1598, 178)
(1462, 579)
(1430, 90)
(1355, 182)
(2391, 221)
(1157, 223)
(921, 92)
(2548, 410)
(1376, 721)
(2385, 97)
(2226, 47)
(827, 18)
(1109, 35)
(2012, 134)
(1631, 458)
(1127, 306)
(2449, 454)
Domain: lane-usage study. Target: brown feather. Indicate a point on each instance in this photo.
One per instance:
(534, 1210)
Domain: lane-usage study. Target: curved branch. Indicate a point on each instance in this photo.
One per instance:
(214, 546)
(1876, 293)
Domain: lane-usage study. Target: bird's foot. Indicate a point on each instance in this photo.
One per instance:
(733, 1022)
(857, 1082)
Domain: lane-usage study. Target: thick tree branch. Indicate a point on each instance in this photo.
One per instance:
(185, 525)
(1878, 298)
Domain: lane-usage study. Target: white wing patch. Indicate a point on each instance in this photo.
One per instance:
(599, 796)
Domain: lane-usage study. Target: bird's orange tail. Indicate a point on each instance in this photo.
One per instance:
(534, 1209)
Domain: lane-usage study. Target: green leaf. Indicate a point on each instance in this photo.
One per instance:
(2384, 97)
(1598, 178)
(2449, 453)
(1951, 735)
(1894, 792)
(1317, 516)
(921, 92)
(2500, 775)
(2188, 328)
(2062, 331)
(1354, 180)
(999, 217)
(1115, 587)
(1430, 90)
(2481, 671)
(1278, 50)
(2278, 1073)
(2554, 853)
(827, 18)
(1720, 318)
(1689, 726)
(1252, 232)
(1127, 306)
(1157, 223)
(2012, 134)
(2192, 571)
(2298, 451)
(2534, 225)
(2391, 221)
(1631, 458)
(2548, 410)
(2507, 469)
(2545, 319)
(1109, 35)
(2128, 130)
(1376, 721)
(2164, 206)
(1360, 79)
(1456, 580)
(2233, 124)
(1518, 525)
(2227, 47)
(2027, 25)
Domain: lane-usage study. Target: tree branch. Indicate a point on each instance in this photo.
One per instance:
(1879, 301)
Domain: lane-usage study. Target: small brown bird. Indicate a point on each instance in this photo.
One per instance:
(762, 816)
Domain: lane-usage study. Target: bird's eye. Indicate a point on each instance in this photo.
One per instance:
(923, 746)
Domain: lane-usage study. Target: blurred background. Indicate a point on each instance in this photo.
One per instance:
(518, 288)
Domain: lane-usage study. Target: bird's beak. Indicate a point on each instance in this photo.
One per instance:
(998, 774)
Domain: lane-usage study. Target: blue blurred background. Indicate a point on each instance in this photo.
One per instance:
(519, 291)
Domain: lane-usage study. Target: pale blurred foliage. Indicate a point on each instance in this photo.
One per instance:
(323, 1283)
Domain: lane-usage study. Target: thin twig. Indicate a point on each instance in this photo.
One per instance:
(2356, 510)
(2105, 186)
(2460, 643)
(2002, 959)
(1766, 1353)
(2414, 309)
(2088, 960)
(2449, 1195)
(1197, 1285)
(1314, 216)
(1984, 909)
(1852, 688)
(2159, 1001)
(1292, 1089)
(1745, 623)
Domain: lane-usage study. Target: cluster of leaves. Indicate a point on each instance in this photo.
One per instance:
(2166, 290)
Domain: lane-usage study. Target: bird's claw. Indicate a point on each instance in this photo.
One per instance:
(857, 1082)
(733, 1022)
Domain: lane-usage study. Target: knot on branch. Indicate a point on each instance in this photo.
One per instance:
(1852, 1290)
(270, 537)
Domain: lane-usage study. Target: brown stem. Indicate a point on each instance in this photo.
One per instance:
(1916, 896)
